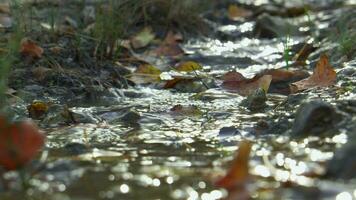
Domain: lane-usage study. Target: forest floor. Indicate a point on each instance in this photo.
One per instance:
(165, 99)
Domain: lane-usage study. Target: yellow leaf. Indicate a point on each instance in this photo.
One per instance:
(146, 73)
(189, 66)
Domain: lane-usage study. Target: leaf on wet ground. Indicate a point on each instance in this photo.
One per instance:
(281, 78)
(19, 143)
(324, 75)
(37, 109)
(30, 48)
(146, 73)
(238, 173)
(236, 82)
(235, 12)
(170, 46)
(188, 66)
(143, 38)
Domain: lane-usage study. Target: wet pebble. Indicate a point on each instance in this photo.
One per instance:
(256, 101)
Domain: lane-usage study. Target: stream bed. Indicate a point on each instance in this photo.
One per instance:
(143, 142)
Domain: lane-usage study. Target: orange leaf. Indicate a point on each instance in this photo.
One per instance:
(324, 75)
(19, 143)
(236, 82)
(30, 48)
(239, 171)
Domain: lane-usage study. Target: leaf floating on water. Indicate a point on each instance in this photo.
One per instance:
(146, 73)
(188, 66)
(324, 75)
(238, 174)
(30, 48)
(19, 143)
(143, 38)
(236, 82)
(235, 12)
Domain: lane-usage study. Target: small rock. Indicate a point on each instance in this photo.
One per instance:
(314, 118)
(229, 131)
(256, 101)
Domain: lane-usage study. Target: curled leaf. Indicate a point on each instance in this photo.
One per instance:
(236, 82)
(324, 75)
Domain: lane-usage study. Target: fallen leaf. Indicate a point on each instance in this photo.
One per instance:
(324, 75)
(19, 143)
(235, 12)
(188, 66)
(238, 174)
(37, 109)
(145, 73)
(30, 48)
(236, 82)
(282, 78)
(143, 38)
(170, 46)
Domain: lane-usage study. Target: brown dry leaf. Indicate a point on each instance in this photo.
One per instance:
(30, 48)
(281, 79)
(236, 82)
(238, 174)
(235, 12)
(324, 75)
(170, 46)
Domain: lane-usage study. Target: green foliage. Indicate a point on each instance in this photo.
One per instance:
(347, 42)
(9, 55)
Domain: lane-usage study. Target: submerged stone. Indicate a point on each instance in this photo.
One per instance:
(314, 118)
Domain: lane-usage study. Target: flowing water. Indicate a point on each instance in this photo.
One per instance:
(138, 147)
